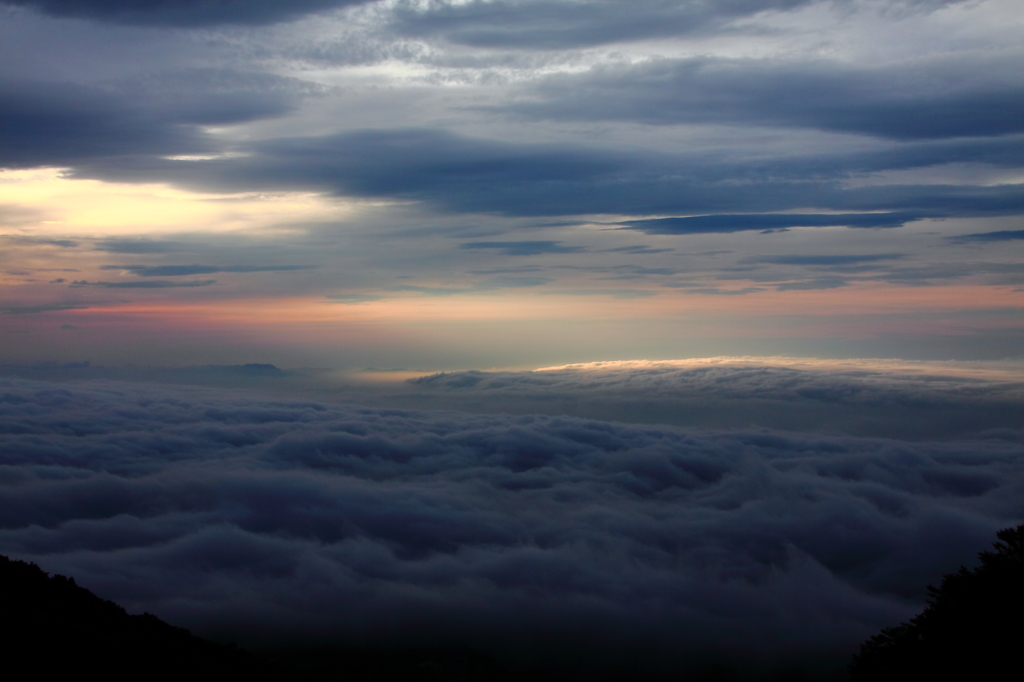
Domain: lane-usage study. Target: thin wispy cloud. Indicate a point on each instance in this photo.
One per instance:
(43, 308)
(827, 260)
(768, 221)
(141, 246)
(983, 237)
(813, 284)
(184, 270)
(522, 248)
(150, 284)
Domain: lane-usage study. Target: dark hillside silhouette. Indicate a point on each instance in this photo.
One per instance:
(972, 627)
(52, 626)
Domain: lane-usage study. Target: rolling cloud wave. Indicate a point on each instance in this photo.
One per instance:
(278, 520)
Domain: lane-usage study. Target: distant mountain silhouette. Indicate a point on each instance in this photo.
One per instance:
(51, 626)
(970, 630)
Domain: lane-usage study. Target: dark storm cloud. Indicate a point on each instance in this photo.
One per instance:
(184, 13)
(161, 114)
(151, 284)
(182, 270)
(938, 100)
(983, 237)
(745, 222)
(303, 521)
(522, 248)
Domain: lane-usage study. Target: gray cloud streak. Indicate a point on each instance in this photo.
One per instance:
(938, 100)
(741, 223)
(151, 284)
(830, 260)
(142, 246)
(551, 25)
(522, 248)
(983, 237)
(457, 173)
(183, 270)
(43, 308)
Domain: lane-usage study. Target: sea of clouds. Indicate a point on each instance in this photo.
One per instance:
(536, 538)
(918, 401)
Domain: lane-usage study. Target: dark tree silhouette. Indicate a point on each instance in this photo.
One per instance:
(972, 627)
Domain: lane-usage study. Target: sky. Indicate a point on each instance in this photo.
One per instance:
(509, 184)
(656, 336)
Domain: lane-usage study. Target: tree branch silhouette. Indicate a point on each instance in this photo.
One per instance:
(971, 628)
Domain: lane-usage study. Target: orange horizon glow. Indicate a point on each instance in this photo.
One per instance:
(857, 299)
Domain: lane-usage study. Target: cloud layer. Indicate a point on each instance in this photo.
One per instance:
(934, 100)
(536, 538)
(864, 398)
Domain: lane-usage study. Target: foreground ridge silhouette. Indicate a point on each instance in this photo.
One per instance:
(972, 627)
(53, 626)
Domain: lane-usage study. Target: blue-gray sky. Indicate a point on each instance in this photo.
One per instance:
(509, 183)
